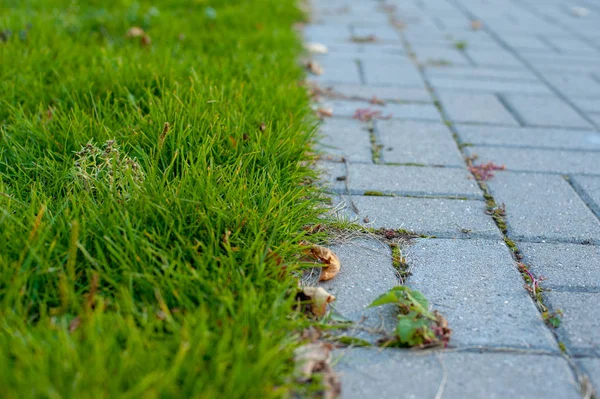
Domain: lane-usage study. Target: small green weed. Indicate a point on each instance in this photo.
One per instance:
(460, 45)
(417, 325)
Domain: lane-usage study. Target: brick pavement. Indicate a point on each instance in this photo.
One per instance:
(516, 83)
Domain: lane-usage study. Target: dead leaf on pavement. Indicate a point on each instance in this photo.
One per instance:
(364, 39)
(316, 48)
(330, 259)
(320, 298)
(476, 25)
(314, 68)
(324, 113)
(315, 358)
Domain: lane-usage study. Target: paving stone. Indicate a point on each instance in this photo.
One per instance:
(485, 85)
(591, 366)
(546, 111)
(570, 45)
(390, 110)
(418, 143)
(489, 74)
(526, 42)
(366, 272)
(529, 137)
(387, 93)
(586, 104)
(493, 58)
(392, 73)
(437, 217)
(577, 84)
(390, 373)
(565, 266)
(346, 138)
(580, 326)
(475, 284)
(364, 49)
(540, 160)
(381, 33)
(588, 188)
(437, 54)
(337, 69)
(476, 108)
(320, 34)
(402, 180)
(541, 207)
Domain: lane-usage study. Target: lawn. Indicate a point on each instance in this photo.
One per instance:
(150, 184)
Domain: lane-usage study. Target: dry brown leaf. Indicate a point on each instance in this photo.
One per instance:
(74, 324)
(325, 112)
(314, 68)
(320, 298)
(476, 25)
(327, 256)
(315, 358)
(135, 31)
(145, 40)
(316, 48)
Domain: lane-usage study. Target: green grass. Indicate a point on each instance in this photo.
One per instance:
(144, 270)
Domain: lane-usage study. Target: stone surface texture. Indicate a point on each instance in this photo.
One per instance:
(449, 84)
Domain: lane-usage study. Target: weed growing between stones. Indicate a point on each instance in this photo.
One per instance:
(417, 325)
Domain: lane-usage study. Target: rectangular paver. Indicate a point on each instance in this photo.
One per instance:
(588, 188)
(476, 108)
(542, 207)
(418, 143)
(488, 86)
(477, 287)
(438, 217)
(346, 138)
(580, 326)
(390, 110)
(540, 160)
(391, 73)
(373, 373)
(387, 93)
(565, 266)
(403, 180)
(530, 137)
(546, 111)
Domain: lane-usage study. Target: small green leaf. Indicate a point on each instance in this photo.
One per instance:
(388, 297)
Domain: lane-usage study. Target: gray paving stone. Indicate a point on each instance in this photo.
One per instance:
(387, 93)
(580, 326)
(587, 104)
(542, 207)
(529, 137)
(476, 108)
(447, 54)
(477, 287)
(392, 73)
(546, 111)
(366, 272)
(337, 69)
(487, 86)
(402, 180)
(493, 58)
(588, 188)
(576, 84)
(346, 138)
(373, 373)
(364, 49)
(418, 143)
(418, 111)
(381, 33)
(437, 217)
(565, 266)
(326, 33)
(591, 366)
(489, 74)
(540, 160)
